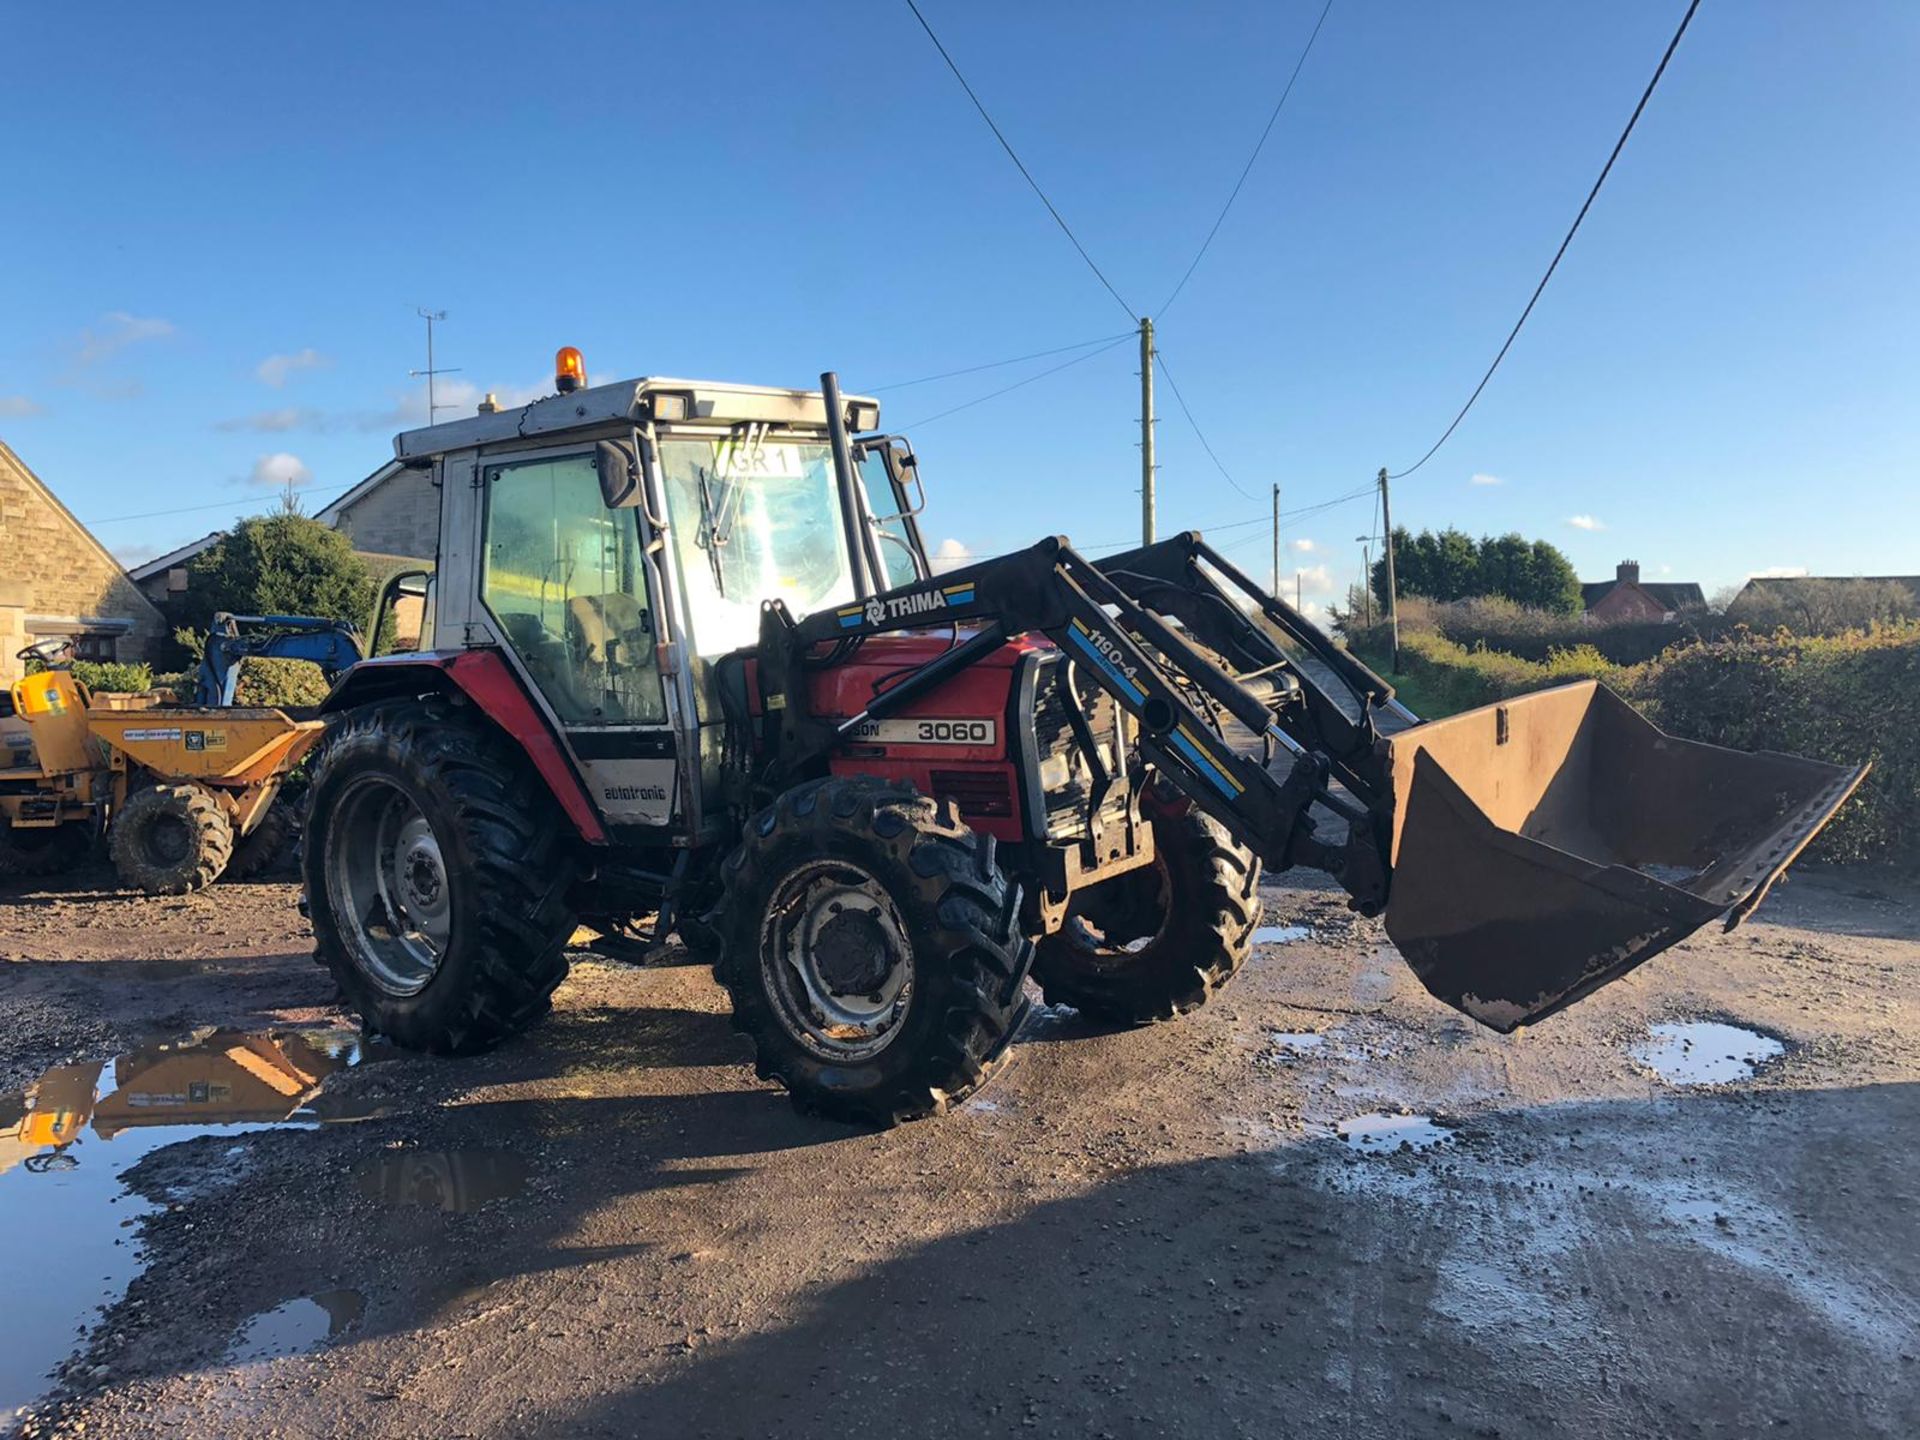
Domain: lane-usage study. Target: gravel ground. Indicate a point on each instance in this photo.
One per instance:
(1210, 1228)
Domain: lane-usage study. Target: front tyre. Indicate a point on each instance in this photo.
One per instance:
(869, 943)
(1157, 942)
(437, 868)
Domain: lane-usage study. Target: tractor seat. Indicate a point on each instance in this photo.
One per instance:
(611, 629)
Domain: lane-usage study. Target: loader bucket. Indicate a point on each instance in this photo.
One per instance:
(1547, 845)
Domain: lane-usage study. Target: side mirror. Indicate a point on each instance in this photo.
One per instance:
(620, 473)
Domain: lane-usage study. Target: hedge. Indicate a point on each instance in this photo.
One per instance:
(1460, 678)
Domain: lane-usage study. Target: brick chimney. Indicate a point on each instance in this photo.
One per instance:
(1627, 572)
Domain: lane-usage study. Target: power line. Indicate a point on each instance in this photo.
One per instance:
(998, 364)
(215, 505)
(1065, 229)
(1173, 385)
(1008, 389)
(1592, 194)
(1247, 169)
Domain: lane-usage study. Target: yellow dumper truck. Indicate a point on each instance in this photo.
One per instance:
(184, 793)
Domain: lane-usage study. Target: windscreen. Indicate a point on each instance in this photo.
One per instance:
(752, 520)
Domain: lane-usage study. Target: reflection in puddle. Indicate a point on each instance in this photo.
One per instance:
(1704, 1052)
(296, 1327)
(451, 1180)
(1280, 934)
(65, 1143)
(1298, 1042)
(1381, 1134)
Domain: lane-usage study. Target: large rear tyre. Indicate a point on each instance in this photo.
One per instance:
(34, 850)
(870, 946)
(1159, 941)
(170, 839)
(437, 868)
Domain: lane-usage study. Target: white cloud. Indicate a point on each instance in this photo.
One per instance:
(1305, 546)
(279, 470)
(117, 330)
(453, 399)
(1312, 580)
(1585, 522)
(272, 422)
(1483, 479)
(275, 369)
(1778, 572)
(949, 555)
(137, 554)
(19, 407)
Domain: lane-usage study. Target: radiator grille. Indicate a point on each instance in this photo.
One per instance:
(976, 792)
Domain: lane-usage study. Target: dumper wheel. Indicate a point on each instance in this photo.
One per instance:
(437, 867)
(870, 944)
(262, 847)
(32, 850)
(170, 839)
(1156, 942)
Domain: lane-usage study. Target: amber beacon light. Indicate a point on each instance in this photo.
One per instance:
(569, 370)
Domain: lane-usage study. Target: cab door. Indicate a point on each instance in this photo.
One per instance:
(890, 477)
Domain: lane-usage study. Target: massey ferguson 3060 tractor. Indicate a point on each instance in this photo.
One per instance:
(684, 657)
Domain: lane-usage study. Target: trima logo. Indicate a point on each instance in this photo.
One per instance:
(879, 610)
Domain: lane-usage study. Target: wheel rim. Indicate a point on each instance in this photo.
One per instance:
(387, 883)
(168, 841)
(836, 960)
(1111, 929)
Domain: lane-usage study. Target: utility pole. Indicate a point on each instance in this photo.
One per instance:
(1276, 537)
(1393, 591)
(430, 316)
(1366, 575)
(1146, 431)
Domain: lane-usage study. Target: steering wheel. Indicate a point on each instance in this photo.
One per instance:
(54, 653)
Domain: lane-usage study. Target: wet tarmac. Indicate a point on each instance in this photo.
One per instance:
(1704, 1052)
(68, 1140)
(297, 1327)
(1381, 1134)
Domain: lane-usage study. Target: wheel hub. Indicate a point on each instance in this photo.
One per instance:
(388, 883)
(837, 960)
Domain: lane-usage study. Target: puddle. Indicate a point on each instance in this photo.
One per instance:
(1298, 1042)
(1381, 1134)
(455, 1181)
(66, 1142)
(1704, 1052)
(1281, 934)
(296, 1327)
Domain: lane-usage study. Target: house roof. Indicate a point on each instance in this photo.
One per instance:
(330, 513)
(1668, 594)
(165, 562)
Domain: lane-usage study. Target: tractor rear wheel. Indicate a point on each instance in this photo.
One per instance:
(262, 847)
(170, 839)
(870, 945)
(437, 868)
(32, 850)
(1156, 942)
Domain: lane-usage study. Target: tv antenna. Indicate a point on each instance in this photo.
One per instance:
(430, 316)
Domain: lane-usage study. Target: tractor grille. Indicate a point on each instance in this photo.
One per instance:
(976, 792)
(1065, 779)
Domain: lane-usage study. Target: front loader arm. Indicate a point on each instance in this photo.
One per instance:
(1150, 667)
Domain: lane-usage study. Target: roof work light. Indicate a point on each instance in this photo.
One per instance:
(569, 370)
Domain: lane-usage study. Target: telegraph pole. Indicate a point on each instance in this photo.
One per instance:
(1393, 593)
(1366, 575)
(1146, 431)
(1276, 537)
(430, 316)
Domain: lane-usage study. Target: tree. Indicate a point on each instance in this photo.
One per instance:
(1452, 565)
(281, 564)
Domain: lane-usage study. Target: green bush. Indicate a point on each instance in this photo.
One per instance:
(279, 683)
(1534, 634)
(1457, 678)
(1847, 698)
(124, 676)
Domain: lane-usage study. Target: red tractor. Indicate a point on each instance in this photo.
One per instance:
(684, 657)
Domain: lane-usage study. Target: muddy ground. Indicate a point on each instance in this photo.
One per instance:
(609, 1227)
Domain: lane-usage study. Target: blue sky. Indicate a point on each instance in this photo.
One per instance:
(218, 223)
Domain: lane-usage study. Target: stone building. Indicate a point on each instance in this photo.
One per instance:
(393, 515)
(56, 579)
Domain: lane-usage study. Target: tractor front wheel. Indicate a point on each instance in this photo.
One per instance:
(869, 942)
(170, 839)
(437, 868)
(1156, 942)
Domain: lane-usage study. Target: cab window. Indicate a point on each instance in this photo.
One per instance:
(563, 576)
